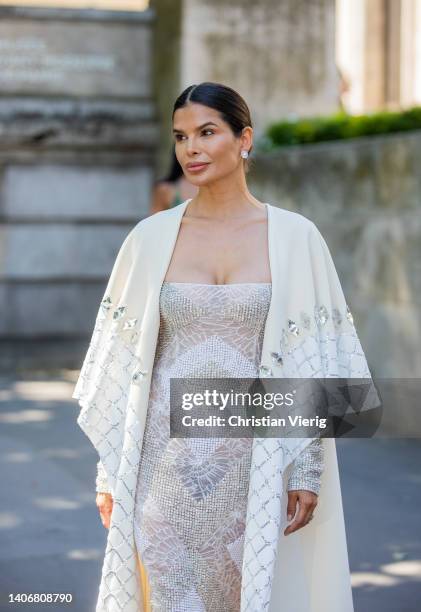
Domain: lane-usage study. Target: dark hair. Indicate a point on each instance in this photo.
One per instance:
(230, 105)
(175, 171)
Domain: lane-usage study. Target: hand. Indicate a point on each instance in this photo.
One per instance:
(104, 501)
(307, 501)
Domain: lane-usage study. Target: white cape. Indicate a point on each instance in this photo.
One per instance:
(310, 324)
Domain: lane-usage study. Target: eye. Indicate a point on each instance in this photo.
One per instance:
(180, 136)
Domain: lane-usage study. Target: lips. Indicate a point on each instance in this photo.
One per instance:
(196, 165)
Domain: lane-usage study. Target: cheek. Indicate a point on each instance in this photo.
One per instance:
(222, 151)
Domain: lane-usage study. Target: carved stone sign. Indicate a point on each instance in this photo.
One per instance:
(74, 58)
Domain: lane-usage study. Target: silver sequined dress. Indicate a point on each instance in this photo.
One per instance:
(191, 496)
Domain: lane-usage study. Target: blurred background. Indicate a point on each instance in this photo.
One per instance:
(86, 95)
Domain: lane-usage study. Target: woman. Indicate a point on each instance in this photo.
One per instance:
(206, 290)
(173, 189)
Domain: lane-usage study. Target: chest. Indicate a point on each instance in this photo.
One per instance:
(220, 254)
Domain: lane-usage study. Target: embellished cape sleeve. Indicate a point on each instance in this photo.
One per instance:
(319, 338)
(106, 371)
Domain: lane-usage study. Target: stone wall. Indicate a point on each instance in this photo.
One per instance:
(365, 197)
(77, 151)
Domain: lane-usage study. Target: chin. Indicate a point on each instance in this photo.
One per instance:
(199, 181)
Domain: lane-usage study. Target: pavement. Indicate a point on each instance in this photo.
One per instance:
(52, 539)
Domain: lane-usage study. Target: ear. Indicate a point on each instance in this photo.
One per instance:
(246, 139)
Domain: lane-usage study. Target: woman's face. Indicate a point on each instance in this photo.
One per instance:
(201, 135)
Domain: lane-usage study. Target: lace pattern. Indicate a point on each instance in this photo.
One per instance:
(192, 493)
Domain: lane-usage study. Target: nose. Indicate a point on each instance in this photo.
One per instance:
(192, 146)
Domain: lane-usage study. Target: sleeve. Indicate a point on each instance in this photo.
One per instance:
(336, 340)
(92, 370)
(307, 468)
(102, 485)
(102, 377)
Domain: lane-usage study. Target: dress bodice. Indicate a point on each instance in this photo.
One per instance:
(217, 328)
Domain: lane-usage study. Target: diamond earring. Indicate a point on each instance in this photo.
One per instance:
(244, 154)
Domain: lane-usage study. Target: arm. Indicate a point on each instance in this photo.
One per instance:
(304, 485)
(308, 468)
(102, 485)
(104, 498)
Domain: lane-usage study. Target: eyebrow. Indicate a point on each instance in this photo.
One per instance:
(200, 126)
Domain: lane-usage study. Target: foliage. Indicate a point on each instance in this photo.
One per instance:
(340, 126)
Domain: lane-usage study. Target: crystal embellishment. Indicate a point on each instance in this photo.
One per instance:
(277, 358)
(129, 324)
(119, 312)
(336, 316)
(106, 303)
(349, 315)
(138, 375)
(265, 371)
(293, 327)
(321, 315)
(134, 337)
